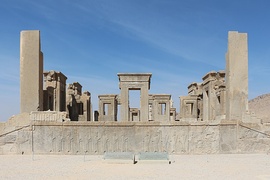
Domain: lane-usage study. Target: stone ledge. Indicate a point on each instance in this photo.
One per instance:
(119, 157)
(153, 157)
(128, 124)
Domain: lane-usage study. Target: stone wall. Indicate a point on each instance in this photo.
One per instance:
(43, 137)
(260, 106)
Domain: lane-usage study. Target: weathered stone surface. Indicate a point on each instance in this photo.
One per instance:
(48, 137)
(260, 106)
(228, 138)
(78, 104)
(48, 116)
(108, 107)
(54, 95)
(236, 76)
(204, 139)
(134, 81)
(206, 100)
(31, 72)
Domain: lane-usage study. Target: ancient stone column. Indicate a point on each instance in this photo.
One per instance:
(236, 76)
(144, 102)
(124, 103)
(31, 72)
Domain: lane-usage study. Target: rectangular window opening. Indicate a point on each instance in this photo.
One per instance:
(105, 109)
(134, 98)
(162, 108)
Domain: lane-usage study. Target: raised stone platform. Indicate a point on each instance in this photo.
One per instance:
(71, 137)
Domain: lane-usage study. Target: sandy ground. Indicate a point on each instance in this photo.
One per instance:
(235, 166)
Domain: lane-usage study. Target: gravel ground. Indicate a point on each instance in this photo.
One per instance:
(233, 166)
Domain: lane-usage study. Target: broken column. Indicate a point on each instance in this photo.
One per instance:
(31, 72)
(236, 76)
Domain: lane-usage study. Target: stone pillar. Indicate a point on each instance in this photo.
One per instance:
(172, 114)
(236, 76)
(31, 72)
(144, 103)
(209, 96)
(124, 104)
(86, 101)
(57, 98)
(205, 105)
(221, 99)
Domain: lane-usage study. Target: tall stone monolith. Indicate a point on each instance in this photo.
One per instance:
(236, 76)
(31, 72)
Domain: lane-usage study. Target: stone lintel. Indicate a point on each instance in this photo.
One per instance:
(134, 78)
(60, 75)
(107, 96)
(134, 110)
(210, 76)
(161, 96)
(195, 88)
(193, 85)
(189, 97)
(221, 73)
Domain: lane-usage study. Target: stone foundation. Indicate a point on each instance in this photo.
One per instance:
(48, 137)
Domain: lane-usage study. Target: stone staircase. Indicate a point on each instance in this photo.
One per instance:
(9, 132)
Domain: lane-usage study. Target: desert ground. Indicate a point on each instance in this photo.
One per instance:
(232, 166)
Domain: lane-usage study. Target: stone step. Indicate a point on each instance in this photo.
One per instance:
(119, 157)
(153, 157)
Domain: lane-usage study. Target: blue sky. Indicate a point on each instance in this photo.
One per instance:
(90, 41)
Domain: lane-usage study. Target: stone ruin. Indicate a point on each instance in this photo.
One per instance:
(58, 119)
